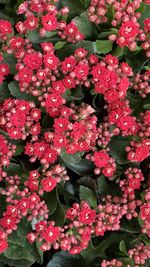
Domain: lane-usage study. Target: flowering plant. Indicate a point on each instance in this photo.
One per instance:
(75, 133)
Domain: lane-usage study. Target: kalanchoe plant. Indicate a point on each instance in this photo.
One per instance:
(75, 133)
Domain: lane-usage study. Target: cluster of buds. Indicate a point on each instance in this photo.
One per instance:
(141, 83)
(132, 181)
(20, 119)
(46, 18)
(46, 181)
(138, 151)
(140, 254)
(145, 213)
(7, 150)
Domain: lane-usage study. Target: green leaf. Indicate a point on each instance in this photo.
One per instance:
(13, 169)
(64, 259)
(5, 17)
(11, 61)
(16, 252)
(75, 7)
(4, 1)
(137, 61)
(103, 46)
(15, 239)
(59, 45)
(73, 94)
(122, 247)
(87, 181)
(88, 195)
(51, 201)
(69, 158)
(106, 187)
(4, 92)
(103, 187)
(118, 52)
(137, 103)
(58, 215)
(15, 91)
(126, 262)
(35, 38)
(69, 49)
(19, 150)
(117, 147)
(147, 106)
(144, 15)
(82, 167)
(84, 25)
(131, 226)
(92, 252)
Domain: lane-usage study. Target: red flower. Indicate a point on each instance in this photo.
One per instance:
(33, 60)
(81, 71)
(129, 29)
(87, 216)
(101, 158)
(51, 61)
(4, 69)
(68, 64)
(5, 27)
(16, 43)
(61, 124)
(51, 234)
(145, 211)
(31, 22)
(3, 245)
(49, 22)
(48, 184)
(25, 75)
(50, 156)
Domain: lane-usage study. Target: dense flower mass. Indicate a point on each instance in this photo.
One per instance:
(75, 133)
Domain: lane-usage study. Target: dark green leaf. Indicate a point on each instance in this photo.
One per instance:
(58, 215)
(4, 92)
(4, 1)
(122, 247)
(11, 61)
(118, 52)
(69, 158)
(82, 167)
(137, 61)
(69, 49)
(144, 15)
(15, 91)
(126, 262)
(51, 201)
(13, 169)
(84, 25)
(103, 46)
(117, 147)
(88, 182)
(15, 239)
(131, 226)
(35, 38)
(64, 259)
(73, 94)
(16, 252)
(88, 195)
(19, 150)
(75, 7)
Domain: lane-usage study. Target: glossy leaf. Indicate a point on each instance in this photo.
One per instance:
(88, 195)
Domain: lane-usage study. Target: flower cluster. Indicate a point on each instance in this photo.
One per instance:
(126, 31)
(75, 130)
(20, 118)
